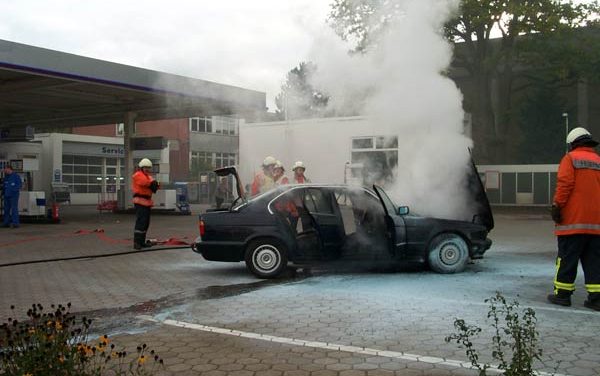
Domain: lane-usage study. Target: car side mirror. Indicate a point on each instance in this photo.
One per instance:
(403, 210)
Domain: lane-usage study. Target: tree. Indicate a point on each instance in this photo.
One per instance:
(543, 127)
(495, 66)
(298, 98)
(362, 21)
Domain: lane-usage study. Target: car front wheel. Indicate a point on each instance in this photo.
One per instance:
(448, 253)
(266, 258)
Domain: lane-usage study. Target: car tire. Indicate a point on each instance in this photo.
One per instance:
(266, 258)
(448, 253)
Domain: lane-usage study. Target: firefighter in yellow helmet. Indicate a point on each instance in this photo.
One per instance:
(143, 186)
(263, 180)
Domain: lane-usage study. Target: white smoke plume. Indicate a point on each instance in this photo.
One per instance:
(400, 86)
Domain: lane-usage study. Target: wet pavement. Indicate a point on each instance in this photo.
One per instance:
(217, 319)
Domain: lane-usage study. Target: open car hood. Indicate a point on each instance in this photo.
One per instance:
(231, 170)
(483, 213)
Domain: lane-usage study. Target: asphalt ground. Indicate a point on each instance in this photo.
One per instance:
(216, 319)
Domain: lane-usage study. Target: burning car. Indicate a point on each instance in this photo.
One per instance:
(312, 223)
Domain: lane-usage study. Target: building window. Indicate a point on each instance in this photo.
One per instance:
(203, 161)
(227, 125)
(378, 156)
(225, 159)
(201, 124)
(362, 143)
(120, 129)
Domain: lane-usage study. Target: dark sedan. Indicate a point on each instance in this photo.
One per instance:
(310, 224)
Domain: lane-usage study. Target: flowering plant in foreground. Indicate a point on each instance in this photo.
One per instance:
(58, 343)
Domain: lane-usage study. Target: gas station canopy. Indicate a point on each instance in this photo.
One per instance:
(44, 88)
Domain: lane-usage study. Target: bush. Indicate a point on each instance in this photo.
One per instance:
(57, 343)
(515, 340)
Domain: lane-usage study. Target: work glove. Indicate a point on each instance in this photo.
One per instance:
(154, 186)
(555, 212)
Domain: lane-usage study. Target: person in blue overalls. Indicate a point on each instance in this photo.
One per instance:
(11, 186)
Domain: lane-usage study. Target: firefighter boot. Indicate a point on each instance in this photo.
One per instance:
(593, 301)
(139, 240)
(562, 297)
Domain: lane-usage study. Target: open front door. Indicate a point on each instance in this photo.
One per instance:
(396, 233)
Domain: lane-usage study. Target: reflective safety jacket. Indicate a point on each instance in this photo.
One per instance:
(301, 179)
(578, 192)
(261, 183)
(140, 185)
(283, 180)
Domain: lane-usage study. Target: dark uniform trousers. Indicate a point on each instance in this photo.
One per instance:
(142, 222)
(571, 249)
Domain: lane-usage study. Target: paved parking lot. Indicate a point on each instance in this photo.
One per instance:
(216, 319)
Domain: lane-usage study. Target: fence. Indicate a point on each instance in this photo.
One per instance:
(519, 185)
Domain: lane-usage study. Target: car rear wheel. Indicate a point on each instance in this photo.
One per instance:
(266, 258)
(448, 253)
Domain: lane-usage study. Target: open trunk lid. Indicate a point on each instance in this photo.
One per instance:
(231, 170)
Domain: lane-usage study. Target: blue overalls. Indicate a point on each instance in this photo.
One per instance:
(11, 186)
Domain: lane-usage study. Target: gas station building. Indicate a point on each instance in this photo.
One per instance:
(42, 90)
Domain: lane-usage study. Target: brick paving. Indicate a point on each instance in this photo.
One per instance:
(383, 312)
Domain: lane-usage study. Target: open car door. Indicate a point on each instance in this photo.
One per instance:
(395, 231)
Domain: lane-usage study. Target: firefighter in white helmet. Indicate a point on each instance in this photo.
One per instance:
(279, 174)
(576, 212)
(263, 180)
(299, 177)
(143, 186)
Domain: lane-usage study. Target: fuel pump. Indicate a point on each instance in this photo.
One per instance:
(32, 204)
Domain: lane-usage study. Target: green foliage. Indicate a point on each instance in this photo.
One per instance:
(558, 38)
(57, 343)
(362, 21)
(543, 127)
(515, 339)
(298, 98)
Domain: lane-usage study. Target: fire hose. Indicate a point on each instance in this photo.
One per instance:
(173, 242)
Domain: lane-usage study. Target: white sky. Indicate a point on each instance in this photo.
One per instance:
(251, 44)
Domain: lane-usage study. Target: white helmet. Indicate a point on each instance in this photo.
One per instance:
(577, 133)
(269, 161)
(298, 164)
(145, 163)
(278, 164)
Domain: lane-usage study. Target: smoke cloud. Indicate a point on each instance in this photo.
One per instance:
(400, 86)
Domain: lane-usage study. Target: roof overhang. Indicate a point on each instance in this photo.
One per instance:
(46, 88)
